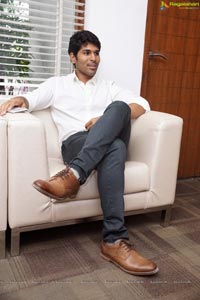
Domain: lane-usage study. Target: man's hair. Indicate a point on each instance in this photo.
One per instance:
(80, 38)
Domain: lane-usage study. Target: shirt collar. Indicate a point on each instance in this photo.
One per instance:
(92, 81)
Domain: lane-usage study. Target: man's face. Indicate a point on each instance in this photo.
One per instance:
(86, 61)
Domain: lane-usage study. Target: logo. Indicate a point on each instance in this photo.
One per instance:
(179, 5)
(163, 5)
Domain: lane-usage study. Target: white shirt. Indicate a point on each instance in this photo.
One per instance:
(74, 103)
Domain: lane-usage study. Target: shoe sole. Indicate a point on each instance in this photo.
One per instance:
(51, 195)
(127, 271)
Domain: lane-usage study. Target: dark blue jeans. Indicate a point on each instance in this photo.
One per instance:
(104, 148)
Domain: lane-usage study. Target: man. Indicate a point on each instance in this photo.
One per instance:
(93, 117)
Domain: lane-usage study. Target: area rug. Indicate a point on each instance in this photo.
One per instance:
(64, 263)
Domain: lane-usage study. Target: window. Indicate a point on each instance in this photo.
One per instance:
(34, 37)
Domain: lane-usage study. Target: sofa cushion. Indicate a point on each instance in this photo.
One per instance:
(137, 179)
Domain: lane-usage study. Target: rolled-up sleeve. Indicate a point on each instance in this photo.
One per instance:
(43, 96)
(128, 96)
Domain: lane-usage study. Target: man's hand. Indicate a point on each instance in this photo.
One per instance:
(136, 110)
(16, 101)
(90, 123)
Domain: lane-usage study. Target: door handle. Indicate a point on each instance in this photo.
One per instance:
(154, 54)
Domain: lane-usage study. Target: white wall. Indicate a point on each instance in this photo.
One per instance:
(120, 26)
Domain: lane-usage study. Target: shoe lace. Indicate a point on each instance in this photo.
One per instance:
(125, 245)
(61, 174)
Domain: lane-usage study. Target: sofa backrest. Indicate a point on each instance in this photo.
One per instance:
(53, 146)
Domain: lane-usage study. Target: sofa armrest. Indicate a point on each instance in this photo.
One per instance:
(3, 175)
(27, 161)
(155, 140)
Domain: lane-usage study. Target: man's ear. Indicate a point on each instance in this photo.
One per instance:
(72, 58)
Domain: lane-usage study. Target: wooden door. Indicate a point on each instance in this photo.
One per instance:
(171, 73)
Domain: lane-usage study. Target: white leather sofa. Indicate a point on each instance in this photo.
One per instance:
(34, 152)
(3, 186)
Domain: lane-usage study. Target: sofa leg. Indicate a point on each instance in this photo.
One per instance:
(2, 244)
(166, 216)
(15, 242)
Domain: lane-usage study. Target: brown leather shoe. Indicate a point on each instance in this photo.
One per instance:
(122, 254)
(61, 186)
